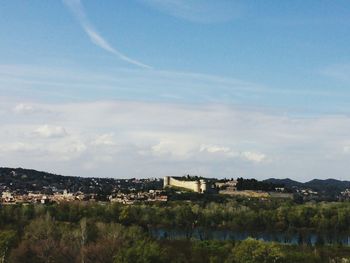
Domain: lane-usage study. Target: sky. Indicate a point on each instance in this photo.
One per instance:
(149, 88)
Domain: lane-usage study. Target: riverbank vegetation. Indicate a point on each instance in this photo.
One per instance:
(95, 232)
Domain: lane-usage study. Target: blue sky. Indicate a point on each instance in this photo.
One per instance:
(278, 68)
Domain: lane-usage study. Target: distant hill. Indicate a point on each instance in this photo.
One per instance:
(289, 183)
(327, 185)
(24, 180)
(31, 180)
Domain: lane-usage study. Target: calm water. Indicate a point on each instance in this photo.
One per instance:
(286, 238)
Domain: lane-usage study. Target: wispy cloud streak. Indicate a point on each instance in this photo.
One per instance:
(199, 11)
(78, 11)
(78, 84)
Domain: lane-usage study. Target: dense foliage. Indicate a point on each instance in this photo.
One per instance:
(250, 215)
(87, 232)
(253, 184)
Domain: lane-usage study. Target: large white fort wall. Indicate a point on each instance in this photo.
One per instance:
(198, 186)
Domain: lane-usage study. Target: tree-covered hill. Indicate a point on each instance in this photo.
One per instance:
(23, 180)
(330, 186)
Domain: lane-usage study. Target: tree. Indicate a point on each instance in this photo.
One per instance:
(7, 240)
(142, 251)
(255, 251)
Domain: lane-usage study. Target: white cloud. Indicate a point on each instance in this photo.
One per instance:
(214, 149)
(104, 140)
(179, 148)
(68, 150)
(254, 156)
(18, 147)
(23, 108)
(230, 153)
(47, 131)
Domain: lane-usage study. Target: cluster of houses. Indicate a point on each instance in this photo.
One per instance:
(8, 197)
(345, 194)
(150, 196)
(307, 192)
(227, 187)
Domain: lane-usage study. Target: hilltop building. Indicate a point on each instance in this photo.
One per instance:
(228, 185)
(193, 184)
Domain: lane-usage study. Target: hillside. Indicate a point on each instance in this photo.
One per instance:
(23, 180)
(289, 183)
(326, 186)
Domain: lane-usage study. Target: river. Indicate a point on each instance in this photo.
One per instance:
(306, 237)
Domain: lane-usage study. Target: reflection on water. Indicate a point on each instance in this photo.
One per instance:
(286, 238)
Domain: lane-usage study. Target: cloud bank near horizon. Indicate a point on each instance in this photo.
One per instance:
(148, 139)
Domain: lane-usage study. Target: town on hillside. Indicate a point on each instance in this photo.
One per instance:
(30, 186)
